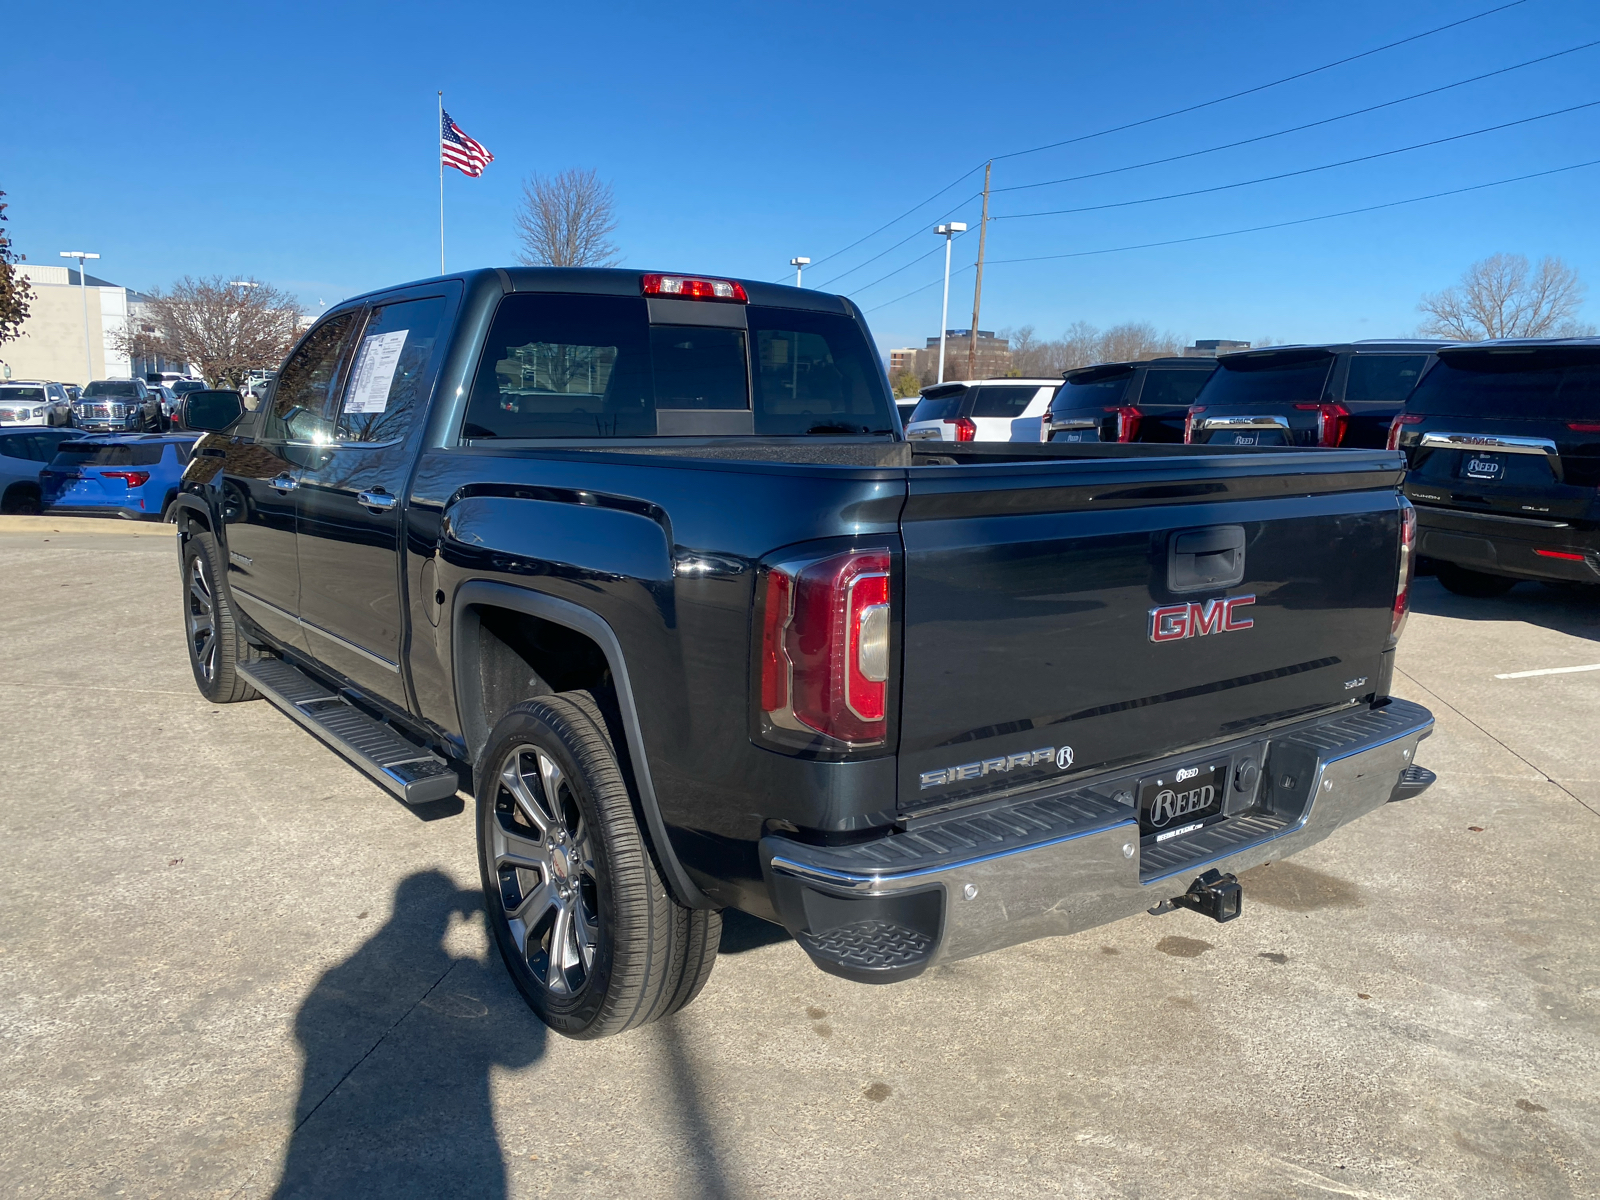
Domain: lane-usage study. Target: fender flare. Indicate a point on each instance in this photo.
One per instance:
(580, 620)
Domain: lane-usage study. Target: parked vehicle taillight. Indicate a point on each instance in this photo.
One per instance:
(1408, 565)
(966, 429)
(1188, 422)
(1332, 421)
(825, 646)
(1394, 428)
(1583, 427)
(1127, 421)
(1044, 425)
(132, 478)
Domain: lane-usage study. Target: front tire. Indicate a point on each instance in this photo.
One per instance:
(585, 925)
(216, 644)
(1464, 581)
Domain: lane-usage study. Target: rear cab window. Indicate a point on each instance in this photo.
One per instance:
(1557, 383)
(1177, 389)
(1004, 402)
(574, 366)
(940, 404)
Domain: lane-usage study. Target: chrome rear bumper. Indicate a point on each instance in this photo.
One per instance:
(1049, 864)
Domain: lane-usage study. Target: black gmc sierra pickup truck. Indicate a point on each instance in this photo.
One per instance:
(645, 561)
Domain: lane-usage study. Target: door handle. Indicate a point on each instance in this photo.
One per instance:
(377, 500)
(284, 483)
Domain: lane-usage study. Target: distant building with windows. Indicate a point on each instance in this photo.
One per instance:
(1212, 347)
(51, 344)
(993, 358)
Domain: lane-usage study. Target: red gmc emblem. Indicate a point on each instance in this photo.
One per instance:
(1195, 619)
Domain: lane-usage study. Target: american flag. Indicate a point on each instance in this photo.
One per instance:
(457, 150)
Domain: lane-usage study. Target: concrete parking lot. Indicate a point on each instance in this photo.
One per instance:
(231, 966)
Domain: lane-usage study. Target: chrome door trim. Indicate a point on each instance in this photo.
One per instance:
(348, 645)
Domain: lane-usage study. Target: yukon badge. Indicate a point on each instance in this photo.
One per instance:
(1174, 621)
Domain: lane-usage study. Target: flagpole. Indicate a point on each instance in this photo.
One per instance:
(438, 133)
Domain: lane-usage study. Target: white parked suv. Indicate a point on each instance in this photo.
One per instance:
(982, 410)
(34, 402)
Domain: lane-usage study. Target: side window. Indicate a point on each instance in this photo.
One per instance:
(1387, 378)
(14, 447)
(1172, 387)
(299, 410)
(391, 374)
(564, 366)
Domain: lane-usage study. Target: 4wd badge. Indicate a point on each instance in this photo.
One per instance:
(1218, 615)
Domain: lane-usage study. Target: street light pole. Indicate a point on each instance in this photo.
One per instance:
(947, 232)
(83, 288)
(799, 264)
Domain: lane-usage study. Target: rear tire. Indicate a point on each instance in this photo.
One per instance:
(580, 915)
(1464, 581)
(216, 644)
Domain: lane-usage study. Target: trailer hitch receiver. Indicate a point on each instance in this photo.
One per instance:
(1216, 895)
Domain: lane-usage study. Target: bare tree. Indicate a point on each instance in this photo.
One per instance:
(1499, 297)
(566, 220)
(15, 291)
(1083, 345)
(221, 328)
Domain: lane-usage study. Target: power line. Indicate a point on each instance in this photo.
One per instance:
(1349, 212)
(1223, 187)
(1164, 116)
(1156, 162)
(914, 291)
(1250, 91)
(1204, 237)
(907, 266)
(909, 237)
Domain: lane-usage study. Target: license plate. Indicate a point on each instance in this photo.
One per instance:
(1482, 466)
(1179, 803)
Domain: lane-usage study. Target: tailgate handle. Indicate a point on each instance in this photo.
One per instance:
(1201, 559)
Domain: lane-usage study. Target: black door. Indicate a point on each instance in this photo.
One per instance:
(351, 498)
(261, 471)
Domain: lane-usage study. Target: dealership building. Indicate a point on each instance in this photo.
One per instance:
(51, 344)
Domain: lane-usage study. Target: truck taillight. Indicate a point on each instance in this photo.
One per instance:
(1394, 428)
(1408, 566)
(1332, 422)
(1127, 421)
(1188, 422)
(825, 647)
(966, 429)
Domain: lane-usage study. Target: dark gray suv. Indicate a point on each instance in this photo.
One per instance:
(118, 406)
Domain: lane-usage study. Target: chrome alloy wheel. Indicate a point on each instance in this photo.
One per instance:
(544, 865)
(200, 619)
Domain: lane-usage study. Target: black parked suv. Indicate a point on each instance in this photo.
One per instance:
(1503, 440)
(1344, 394)
(1126, 401)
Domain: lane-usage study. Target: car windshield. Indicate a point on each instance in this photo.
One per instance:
(184, 386)
(112, 387)
(1096, 390)
(107, 454)
(1269, 380)
(940, 404)
(1558, 382)
(21, 393)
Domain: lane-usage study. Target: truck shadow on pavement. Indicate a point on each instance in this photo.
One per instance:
(399, 1040)
(1573, 611)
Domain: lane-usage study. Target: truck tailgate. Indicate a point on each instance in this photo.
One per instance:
(1045, 611)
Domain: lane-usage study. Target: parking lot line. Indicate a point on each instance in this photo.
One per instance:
(1549, 671)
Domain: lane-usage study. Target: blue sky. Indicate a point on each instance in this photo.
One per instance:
(296, 143)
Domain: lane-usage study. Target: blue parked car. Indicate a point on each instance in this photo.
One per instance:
(130, 476)
(23, 454)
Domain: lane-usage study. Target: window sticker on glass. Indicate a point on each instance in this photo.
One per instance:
(374, 372)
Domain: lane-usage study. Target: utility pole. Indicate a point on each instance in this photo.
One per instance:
(977, 287)
(947, 232)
